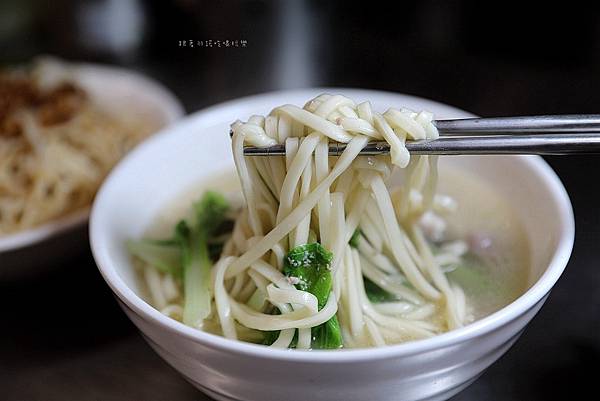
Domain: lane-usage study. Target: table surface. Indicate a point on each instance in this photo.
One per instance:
(62, 335)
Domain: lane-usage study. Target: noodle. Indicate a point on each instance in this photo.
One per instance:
(56, 146)
(344, 204)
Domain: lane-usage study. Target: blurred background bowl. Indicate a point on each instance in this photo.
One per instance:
(197, 148)
(115, 90)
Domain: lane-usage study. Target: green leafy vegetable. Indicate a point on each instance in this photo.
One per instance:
(377, 294)
(211, 212)
(310, 263)
(374, 292)
(164, 255)
(471, 274)
(312, 236)
(327, 335)
(189, 254)
(354, 239)
(270, 337)
(195, 256)
(215, 250)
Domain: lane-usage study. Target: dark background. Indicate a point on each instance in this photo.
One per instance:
(62, 336)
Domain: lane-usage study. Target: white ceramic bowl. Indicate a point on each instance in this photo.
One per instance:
(115, 89)
(435, 368)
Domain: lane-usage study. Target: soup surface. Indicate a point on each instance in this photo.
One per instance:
(490, 226)
(493, 272)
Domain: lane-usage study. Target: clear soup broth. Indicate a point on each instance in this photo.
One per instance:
(494, 272)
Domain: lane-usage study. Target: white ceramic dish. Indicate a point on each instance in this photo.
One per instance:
(42, 247)
(176, 160)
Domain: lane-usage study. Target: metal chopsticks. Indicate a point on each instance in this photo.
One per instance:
(564, 144)
(581, 123)
(540, 135)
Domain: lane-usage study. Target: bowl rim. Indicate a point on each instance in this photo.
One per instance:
(173, 109)
(523, 303)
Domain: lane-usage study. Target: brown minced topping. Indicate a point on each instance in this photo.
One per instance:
(52, 107)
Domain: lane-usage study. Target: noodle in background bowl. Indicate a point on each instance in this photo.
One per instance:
(115, 90)
(153, 175)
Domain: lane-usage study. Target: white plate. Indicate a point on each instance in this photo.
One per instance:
(115, 89)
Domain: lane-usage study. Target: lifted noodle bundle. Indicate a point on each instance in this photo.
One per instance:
(321, 255)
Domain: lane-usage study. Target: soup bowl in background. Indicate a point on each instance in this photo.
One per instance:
(197, 148)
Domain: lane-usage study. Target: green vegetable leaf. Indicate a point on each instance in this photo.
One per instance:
(271, 336)
(163, 255)
(377, 294)
(310, 264)
(327, 335)
(182, 235)
(354, 239)
(210, 214)
(471, 274)
(215, 251)
(374, 292)
(190, 252)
